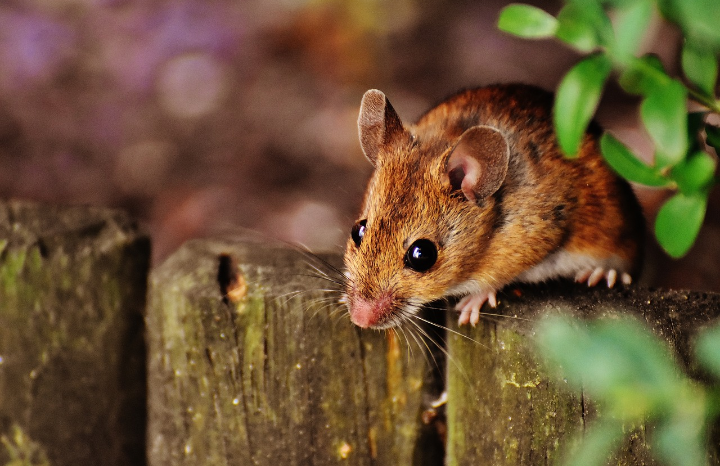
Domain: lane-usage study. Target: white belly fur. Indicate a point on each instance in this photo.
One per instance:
(563, 264)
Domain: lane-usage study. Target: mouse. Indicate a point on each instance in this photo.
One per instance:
(475, 196)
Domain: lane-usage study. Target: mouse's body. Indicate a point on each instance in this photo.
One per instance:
(478, 195)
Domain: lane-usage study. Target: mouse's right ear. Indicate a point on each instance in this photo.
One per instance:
(478, 163)
(378, 124)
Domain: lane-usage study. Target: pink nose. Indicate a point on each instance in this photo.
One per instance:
(369, 313)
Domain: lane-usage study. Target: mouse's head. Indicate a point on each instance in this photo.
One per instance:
(428, 212)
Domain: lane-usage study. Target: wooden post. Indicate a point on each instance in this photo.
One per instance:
(504, 410)
(72, 356)
(251, 362)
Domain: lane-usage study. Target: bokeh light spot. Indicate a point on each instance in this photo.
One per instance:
(192, 85)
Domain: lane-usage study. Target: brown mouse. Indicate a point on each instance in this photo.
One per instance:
(477, 195)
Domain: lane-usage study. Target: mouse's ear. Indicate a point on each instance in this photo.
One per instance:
(478, 163)
(378, 124)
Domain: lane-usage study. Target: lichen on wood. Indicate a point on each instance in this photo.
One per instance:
(273, 374)
(252, 360)
(504, 408)
(72, 296)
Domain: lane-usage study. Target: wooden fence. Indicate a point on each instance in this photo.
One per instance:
(250, 362)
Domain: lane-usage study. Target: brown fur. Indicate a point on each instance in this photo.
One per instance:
(545, 202)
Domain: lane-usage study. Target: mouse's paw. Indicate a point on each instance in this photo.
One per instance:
(593, 276)
(470, 305)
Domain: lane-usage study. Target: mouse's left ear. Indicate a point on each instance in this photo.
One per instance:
(478, 163)
(378, 125)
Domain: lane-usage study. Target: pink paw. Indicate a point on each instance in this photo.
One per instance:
(470, 305)
(593, 277)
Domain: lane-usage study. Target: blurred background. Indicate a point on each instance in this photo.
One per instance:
(199, 116)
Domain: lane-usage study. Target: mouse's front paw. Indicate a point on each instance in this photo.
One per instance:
(470, 305)
(593, 276)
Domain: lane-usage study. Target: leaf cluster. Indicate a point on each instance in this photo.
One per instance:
(634, 378)
(610, 33)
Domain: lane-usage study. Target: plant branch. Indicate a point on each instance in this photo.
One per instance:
(710, 103)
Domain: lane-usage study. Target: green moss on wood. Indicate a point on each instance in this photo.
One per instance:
(270, 378)
(503, 406)
(71, 303)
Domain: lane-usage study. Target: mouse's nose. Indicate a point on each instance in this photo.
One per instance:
(367, 313)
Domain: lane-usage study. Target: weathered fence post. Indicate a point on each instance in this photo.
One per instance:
(72, 356)
(251, 363)
(504, 410)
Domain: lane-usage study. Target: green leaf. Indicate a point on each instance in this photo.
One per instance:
(680, 439)
(631, 22)
(707, 349)
(577, 98)
(619, 3)
(593, 448)
(643, 75)
(618, 362)
(527, 21)
(678, 222)
(563, 343)
(651, 369)
(627, 165)
(700, 66)
(694, 173)
(664, 114)
(697, 18)
(584, 25)
(713, 136)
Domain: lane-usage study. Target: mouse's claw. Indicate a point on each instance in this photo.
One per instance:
(470, 305)
(593, 277)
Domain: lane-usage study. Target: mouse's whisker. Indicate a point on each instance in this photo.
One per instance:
(410, 314)
(504, 316)
(315, 261)
(325, 269)
(338, 310)
(327, 278)
(441, 347)
(416, 319)
(421, 338)
(284, 298)
(325, 306)
(447, 329)
(401, 330)
(482, 313)
(337, 315)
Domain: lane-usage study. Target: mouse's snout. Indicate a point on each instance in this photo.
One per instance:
(374, 312)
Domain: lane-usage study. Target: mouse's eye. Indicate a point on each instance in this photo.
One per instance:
(421, 255)
(358, 231)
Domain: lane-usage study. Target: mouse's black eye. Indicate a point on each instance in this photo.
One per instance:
(421, 255)
(358, 231)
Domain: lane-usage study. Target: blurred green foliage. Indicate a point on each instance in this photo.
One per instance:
(682, 140)
(633, 378)
(630, 373)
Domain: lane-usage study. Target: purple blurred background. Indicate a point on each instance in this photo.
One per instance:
(198, 116)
